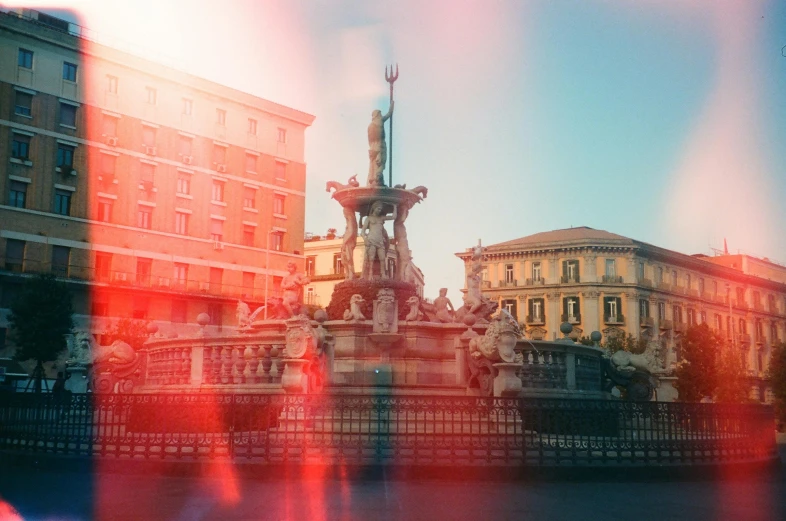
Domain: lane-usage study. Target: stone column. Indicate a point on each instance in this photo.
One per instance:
(554, 273)
(630, 272)
(553, 315)
(590, 269)
(591, 315)
(632, 314)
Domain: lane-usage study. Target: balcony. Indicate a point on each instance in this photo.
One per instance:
(693, 293)
(744, 338)
(740, 304)
(758, 306)
(611, 279)
(535, 282)
(571, 319)
(646, 321)
(485, 284)
(680, 327)
(537, 320)
(508, 283)
(646, 283)
(666, 325)
(663, 286)
(618, 319)
(569, 279)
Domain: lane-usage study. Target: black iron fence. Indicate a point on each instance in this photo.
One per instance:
(405, 430)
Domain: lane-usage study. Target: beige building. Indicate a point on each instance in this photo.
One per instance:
(601, 281)
(324, 267)
(156, 194)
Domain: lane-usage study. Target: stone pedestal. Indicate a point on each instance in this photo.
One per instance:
(506, 383)
(76, 381)
(294, 380)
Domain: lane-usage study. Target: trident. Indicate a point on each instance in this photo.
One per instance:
(391, 78)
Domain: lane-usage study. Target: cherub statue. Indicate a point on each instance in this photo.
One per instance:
(243, 312)
(443, 308)
(292, 286)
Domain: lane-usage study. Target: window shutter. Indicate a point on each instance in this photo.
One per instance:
(577, 309)
(565, 306)
(565, 271)
(530, 307)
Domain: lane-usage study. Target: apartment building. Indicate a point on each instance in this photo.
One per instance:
(156, 194)
(602, 281)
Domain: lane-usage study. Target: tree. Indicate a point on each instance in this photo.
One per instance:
(614, 343)
(131, 331)
(732, 381)
(697, 370)
(777, 375)
(40, 318)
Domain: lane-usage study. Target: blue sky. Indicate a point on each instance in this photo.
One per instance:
(659, 120)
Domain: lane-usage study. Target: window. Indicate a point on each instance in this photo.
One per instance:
(62, 202)
(743, 326)
(221, 117)
(139, 307)
(691, 317)
(188, 106)
(701, 286)
(151, 95)
(249, 197)
(67, 115)
(277, 241)
(677, 314)
(687, 281)
(109, 126)
(25, 59)
(108, 163)
(756, 299)
(661, 311)
(759, 330)
(218, 191)
(702, 317)
(536, 308)
(611, 309)
(23, 104)
(17, 194)
(281, 170)
(103, 266)
(184, 146)
(20, 147)
(282, 135)
(144, 217)
(69, 71)
(311, 263)
(773, 332)
(509, 305)
(673, 277)
(644, 308)
(771, 307)
(148, 136)
(740, 296)
(216, 229)
(144, 267)
(181, 273)
(181, 223)
(147, 172)
(718, 323)
(251, 163)
(111, 84)
(509, 275)
(216, 276)
(14, 255)
(611, 268)
(248, 235)
(640, 271)
(252, 126)
(215, 312)
(60, 260)
(570, 271)
(179, 308)
(65, 157)
(104, 210)
(99, 306)
(219, 155)
(660, 275)
(715, 287)
(338, 266)
(248, 282)
(570, 308)
(184, 184)
(278, 204)
(536, 274)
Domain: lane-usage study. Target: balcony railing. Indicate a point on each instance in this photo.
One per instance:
(508, 283)
(127, 279)
(743, 338)
(612, 279)
(535, 282)
(614, 319)
(570, 279)
(666, 324)
(646, 321)
(571, 319)
(680, 327)
(536, 320)
(646, 282)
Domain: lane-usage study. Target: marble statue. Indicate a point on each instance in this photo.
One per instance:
(402, 244)
(498, 344)
(414, 309)
(292, 286)
(474, 301)
(377, 147)
(443, 308)
(81, 349)
(354, 314)
(376, 239)
(243, 314)
(301, 338)
(349, 243)
(336, 186)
